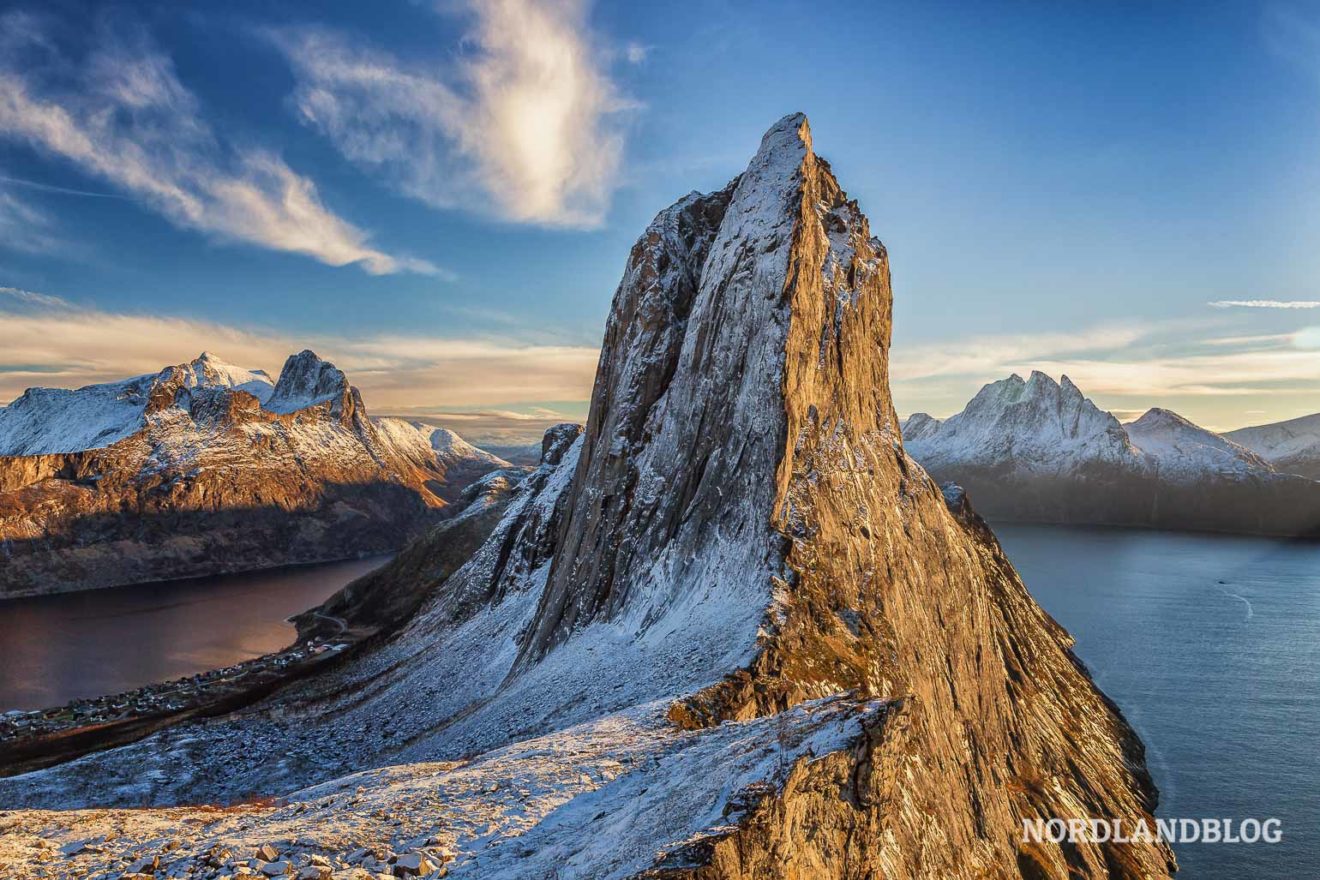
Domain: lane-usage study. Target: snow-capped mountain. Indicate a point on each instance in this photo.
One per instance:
(206, 467)
(1040, 450)
(1035, 426)
(729, 631)
(1292, 446)
(51, 420)
(1183, 451)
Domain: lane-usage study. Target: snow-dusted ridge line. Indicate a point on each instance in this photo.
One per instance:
(1042, 427)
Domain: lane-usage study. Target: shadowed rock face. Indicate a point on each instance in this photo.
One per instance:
(214, 471)
(737, 536)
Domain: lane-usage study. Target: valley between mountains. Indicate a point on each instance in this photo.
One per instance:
(728, 629)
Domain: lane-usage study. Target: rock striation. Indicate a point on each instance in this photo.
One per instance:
(1037, 450)
(206, 468)
(731, 630)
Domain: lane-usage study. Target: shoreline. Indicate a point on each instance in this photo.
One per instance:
(36, 739)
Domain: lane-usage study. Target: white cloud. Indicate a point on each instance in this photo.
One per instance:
(46, 340)
(1265, 304)
(636, 53)
(1191, 366)
(523, 124)
(123, 115)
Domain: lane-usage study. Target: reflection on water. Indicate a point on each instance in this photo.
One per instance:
(1211, 646)
(58, 648)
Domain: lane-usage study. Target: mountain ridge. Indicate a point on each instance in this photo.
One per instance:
(204, 468)
(1041, 451)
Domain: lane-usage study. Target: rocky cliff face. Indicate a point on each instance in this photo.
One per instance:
(206, 468)
(730, 631)
(1040, 451)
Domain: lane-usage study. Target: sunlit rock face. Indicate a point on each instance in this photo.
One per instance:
(730, 631)
(206, 467)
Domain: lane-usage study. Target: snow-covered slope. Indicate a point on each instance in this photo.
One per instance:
(1181, 450)
(730, 631)
(53, 420)
(919, 426)
(209, 371)
(422, 442)
(186, 472)
(1292, 446)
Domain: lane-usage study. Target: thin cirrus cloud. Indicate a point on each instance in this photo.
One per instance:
(524, 125)
(49, 341)
(1265, 304)
(122, 115)
(1190, 364)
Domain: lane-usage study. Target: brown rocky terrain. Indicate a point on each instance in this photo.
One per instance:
(731, 631)
(201, 477)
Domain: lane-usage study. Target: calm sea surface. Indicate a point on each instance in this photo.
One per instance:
(57, 648)
(1211, 646)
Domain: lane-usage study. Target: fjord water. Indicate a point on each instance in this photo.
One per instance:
(54, 649)
(1211, 646)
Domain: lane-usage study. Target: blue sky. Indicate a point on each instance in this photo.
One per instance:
(441, 196)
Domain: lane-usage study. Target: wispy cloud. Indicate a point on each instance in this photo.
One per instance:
(122, 114)
(1189, 365)
(47, 340)
(58, 190)
(524, 124)
(1265, 304)
(15, 297)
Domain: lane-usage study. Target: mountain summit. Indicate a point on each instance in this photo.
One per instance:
(730, 631)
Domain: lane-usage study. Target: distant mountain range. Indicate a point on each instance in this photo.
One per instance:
(1039, 450)
(206, 467)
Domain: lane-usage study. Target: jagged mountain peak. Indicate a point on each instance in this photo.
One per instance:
(1023, 425)
(306, 380)
(779, 316)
